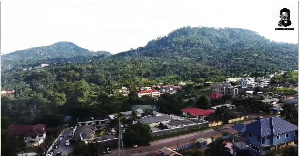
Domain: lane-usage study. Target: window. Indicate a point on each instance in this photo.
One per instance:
(296, 132)
(263, 141)
(258, 138)
(250, 135)
(278, 137)
(286, 135)
(268, 137)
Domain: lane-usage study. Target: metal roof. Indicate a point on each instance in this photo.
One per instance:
(267, 126)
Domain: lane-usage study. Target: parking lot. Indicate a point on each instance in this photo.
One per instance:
(62, 145)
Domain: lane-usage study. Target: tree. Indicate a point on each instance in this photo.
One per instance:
(217, 147)
(81, 149)
(192, 152)
(141, 133)
(10, 145)
(203, 102)
(290, 113)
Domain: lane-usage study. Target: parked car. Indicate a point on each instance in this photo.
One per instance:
(61, 137)
(67, 143)
(58, 154)
(135, 146)
(108, 151)
(50, 153)
(55, 146)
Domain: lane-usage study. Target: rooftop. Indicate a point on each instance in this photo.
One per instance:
(155, 119)
(27, 130)
(198, 112)
(179, 122)
(266, 127)
(215, 95)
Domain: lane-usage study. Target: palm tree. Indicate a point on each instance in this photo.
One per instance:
(217, 148)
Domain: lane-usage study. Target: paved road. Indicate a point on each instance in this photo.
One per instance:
(62, 146)
(170, 142)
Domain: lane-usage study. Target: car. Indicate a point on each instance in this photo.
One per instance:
(50, 153)
(67, 143)
(57, 143)
(108, 151)
(61, 137)
(54, 146)
(58, 154)
(135, 146)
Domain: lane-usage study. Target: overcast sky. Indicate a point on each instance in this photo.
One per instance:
(116, 26)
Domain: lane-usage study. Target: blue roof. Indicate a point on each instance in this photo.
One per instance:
(270, 126)
(239, 127)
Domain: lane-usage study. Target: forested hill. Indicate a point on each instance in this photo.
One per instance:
(227, 48)
(55, 52)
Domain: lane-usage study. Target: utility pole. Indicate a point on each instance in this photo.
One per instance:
(119, 143)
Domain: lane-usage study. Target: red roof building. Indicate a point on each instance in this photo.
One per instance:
(197, 112)
(34, 135)
(215, 95)
(27, 130)
(153, 93)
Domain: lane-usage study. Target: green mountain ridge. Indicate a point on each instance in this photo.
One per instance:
(57, 51)
(227, 48)
(188, 49)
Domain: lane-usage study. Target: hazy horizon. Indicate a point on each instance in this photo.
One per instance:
(117, 26)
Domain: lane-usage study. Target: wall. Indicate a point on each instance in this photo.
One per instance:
(282, 139)
(236, 119)
(28, 154)
(215, 124)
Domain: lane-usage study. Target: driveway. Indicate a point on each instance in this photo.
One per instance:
(62, 146)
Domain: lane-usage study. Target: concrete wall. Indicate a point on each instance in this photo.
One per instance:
(236, 119)
(215, 124)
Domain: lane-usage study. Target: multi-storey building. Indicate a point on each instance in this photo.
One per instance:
(264, 135)
(225, 89)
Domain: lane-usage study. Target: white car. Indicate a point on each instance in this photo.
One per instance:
(135, 146)
(67, 143)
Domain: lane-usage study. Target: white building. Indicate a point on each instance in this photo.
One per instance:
(152, 93)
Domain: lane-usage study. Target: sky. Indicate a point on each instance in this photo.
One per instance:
(116, 26)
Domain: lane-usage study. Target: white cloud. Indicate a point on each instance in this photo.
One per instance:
(116, 26)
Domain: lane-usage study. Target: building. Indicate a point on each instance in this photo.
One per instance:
(229, 106)
(152, 93)
(196, 112)
(264, 135)
(8, 93)
(34, 135)
(85, 133)
(247, 83)
(215, 96)
(98, 122)
(170, 89)
(225, 89)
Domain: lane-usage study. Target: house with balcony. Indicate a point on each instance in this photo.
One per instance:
(97, 122)
(264, 135)
(34, 135)
(225, 89)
